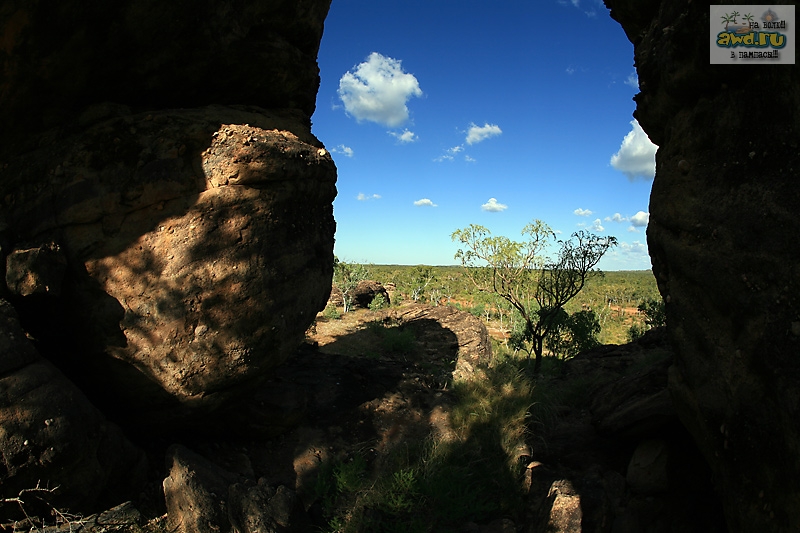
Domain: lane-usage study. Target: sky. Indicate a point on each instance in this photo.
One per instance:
(440, 114)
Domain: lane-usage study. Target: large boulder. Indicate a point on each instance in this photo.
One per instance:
(182, 240)
(723, 242)
(52, 437)
(166, 212)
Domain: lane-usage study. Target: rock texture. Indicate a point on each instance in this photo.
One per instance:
(366, 291)
(468, 342)
(613, 456)
(51, 436)
(722, 237)
(56, 59)
(167, 259)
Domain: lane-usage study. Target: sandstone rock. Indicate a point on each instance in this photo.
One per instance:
(50, 436)
(722, 239)
(565, 512)
(202, 497)
(153, 55)
(199, 250)
(37, 270)
(196, 493)
(336, 297)
(471, 345)
(366, 291)
(648, 471)
(263, 509)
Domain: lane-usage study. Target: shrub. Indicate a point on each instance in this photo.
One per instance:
(378, 302)
(331, 312)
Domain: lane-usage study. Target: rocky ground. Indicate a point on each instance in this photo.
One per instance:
(605, 453)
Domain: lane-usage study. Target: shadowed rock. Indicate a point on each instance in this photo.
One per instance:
(723, 242)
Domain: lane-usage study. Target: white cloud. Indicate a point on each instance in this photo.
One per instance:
(570, 70)
(635, 247)
(494, 206)
(637, 155)
(632, 80)
(425, 201)
(448, 155)
(364, 197)
(469, 159)
(598, 225)
(476, 134)
(582, 212)
(378, 90)
(640, 219)
(405, 137)
(342, 149)
(632, 229)
(616, 218)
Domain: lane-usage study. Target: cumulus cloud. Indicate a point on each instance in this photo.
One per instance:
(476, 134)
(425, 202)
(469, 159)
(632, 80)
(378, 90)
(494, 206)
(342, 149)
(616, 218)
(582, 212)
(633, 248)
(406, 136)
(598, 225)
(636, 157)
(632, 229)
(364, 197)
(640, 219)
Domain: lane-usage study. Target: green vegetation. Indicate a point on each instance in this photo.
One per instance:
(655, 315)
(614, 297)
(346, 277)
(535, 285)
(471, 473)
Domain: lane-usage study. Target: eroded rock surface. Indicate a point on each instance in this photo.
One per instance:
(51, 436)
(198, 244)
(723, 241)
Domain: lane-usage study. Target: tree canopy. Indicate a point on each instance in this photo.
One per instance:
(522, 273)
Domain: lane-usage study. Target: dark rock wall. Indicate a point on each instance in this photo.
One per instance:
(57, 57)
(723, 241)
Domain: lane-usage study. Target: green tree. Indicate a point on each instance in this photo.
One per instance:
(536, 286)
(573, 334)
(655, 312)
(421, 277)
(346, 276)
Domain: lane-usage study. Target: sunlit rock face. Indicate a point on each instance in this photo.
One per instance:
(723, 241)
(164, 150)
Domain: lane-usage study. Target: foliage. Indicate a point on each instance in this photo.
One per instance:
(421, 277)
(573, 334)
(331, 312)
(378, 303)
(655, 315)
(537, 286)
(635, 332)
(655, 312)
(346, 277)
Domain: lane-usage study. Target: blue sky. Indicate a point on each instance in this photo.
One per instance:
(441, 114)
